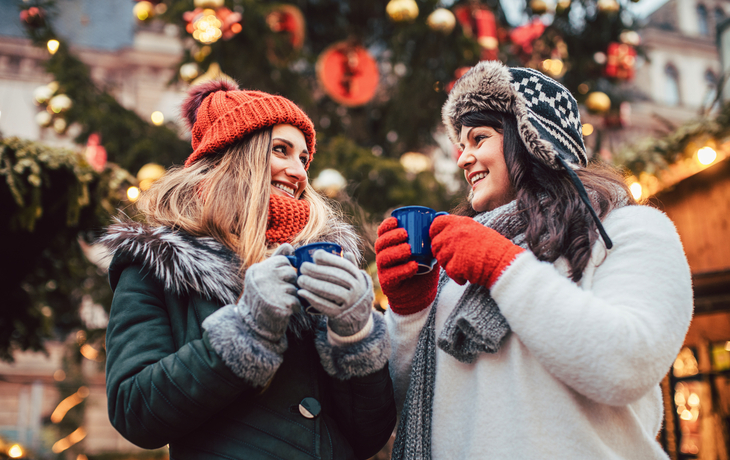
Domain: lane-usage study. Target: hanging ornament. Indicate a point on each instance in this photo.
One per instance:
(287, 20)
(538, 7)
(143, 10)
(60, 103)
(476, 19)
(189, 70)
(148, 174)
(525, 36)
(402, 10)
(33, 17)
(214, 4)
(608, 6)
(43, 118)
(348, 74)
(95, 153)
(598, 102)
(562, 6)
(630, 37)
(59, 125)
(441, 20)
(208, 25)
(213, 73)
(620, 61)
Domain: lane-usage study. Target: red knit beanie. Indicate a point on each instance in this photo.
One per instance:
(219, 114)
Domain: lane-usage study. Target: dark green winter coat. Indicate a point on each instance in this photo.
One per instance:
(167, 384)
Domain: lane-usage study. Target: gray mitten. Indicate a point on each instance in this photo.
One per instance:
(337, 288)
(270, 295)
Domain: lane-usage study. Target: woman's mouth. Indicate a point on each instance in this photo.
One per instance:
(477, 177)
(285, 188)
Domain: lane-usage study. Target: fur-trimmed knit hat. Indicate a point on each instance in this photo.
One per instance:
(219, 114)
(547, 116)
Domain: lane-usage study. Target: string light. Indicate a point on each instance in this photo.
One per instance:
(133, 193)
(636, 190)
(15, 451)
(706, 155)
(157, 118)
(587, 129)
(67, 404)
(52, 46)
(68, 441)
(207, 27)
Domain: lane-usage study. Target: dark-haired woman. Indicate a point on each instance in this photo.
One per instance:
(559, 305)
(208, 348)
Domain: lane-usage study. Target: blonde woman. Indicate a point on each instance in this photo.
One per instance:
(208, 347)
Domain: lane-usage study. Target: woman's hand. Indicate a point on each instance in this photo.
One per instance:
(406, 292)
(338, 289)
(469, 251)
(270, 295)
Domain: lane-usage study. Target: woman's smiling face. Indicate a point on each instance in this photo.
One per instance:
(482, 159)
(289, 156)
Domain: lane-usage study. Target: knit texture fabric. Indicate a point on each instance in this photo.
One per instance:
(287, 217)
(227, 115)
(407, 292)
(476, 325)
(469, 251)
(547, 114)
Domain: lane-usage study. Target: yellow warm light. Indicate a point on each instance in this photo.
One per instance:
(587, 129)
(635, 190)
(686, 415)
(133, 193)
(15, 451)
(706, 155)
(69, 440)
(207, 28)
(52, 46)
(157, 118)
(553, 66)
(67, 404)
(89, 352)
(727, 345)
(693, 400)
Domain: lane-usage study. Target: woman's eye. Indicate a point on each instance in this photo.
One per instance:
(280, 149)
(304, 160)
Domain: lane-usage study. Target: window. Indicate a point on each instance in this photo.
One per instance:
(671, 86)
(719, 16)
(702, 20)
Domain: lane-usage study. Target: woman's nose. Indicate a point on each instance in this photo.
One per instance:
(465, 159)
(296, 170)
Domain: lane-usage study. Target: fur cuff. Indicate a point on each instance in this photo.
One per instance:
(249, 357)
(358, 359)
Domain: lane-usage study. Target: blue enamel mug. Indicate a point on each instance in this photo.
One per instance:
(417, 221)
(305, 254)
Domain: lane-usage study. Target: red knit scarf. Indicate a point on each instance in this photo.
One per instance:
(287, 217)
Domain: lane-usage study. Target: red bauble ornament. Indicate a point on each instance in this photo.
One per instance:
(348, 74)
(33, 17)
(289, 20)
(95, 153)
(620, 62)
(525, 36)
(478, 20)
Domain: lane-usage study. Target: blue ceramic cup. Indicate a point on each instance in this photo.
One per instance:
(417, 222)
(304, 254)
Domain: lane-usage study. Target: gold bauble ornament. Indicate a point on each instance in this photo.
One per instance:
(608, 6)
(598, 102)
(209, 3)
(562, 5)
(189, 70)
(143, 10)
(441, 20)
(538, 6)
(60, 103)
(149, 173)
(402, 10)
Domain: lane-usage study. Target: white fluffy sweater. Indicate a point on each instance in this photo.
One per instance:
(578, 377)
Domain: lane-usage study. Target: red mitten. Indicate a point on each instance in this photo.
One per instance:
(469, 251)
(406, 292)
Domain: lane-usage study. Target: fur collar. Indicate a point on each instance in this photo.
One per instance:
(187, 264)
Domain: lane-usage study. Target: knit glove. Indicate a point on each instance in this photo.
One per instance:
(406, 292)
(270, 295)
(469, 251)
(338, 289)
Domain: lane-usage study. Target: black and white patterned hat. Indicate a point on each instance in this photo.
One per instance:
(547, 114)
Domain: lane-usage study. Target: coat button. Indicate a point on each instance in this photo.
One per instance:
(310, 407)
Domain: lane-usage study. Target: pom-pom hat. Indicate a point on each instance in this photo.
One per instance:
(219, 115)
(547, 116)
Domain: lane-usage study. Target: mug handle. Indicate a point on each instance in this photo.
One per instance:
(440, 213)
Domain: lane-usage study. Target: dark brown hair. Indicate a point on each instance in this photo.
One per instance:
(553, 218)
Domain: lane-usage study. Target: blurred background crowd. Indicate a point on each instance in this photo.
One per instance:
(89, 97)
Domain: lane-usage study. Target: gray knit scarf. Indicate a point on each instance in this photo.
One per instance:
(476, 325)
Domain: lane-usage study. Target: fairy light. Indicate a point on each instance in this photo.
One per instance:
(636, 190)
(706, 155)
(68, 441)
(207, 27)
(157, 118)
(68, 403)
(133, 193)
(52, 46)
(15, 451)
(587, 129)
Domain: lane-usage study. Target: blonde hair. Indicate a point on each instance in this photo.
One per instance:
(226, 196)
